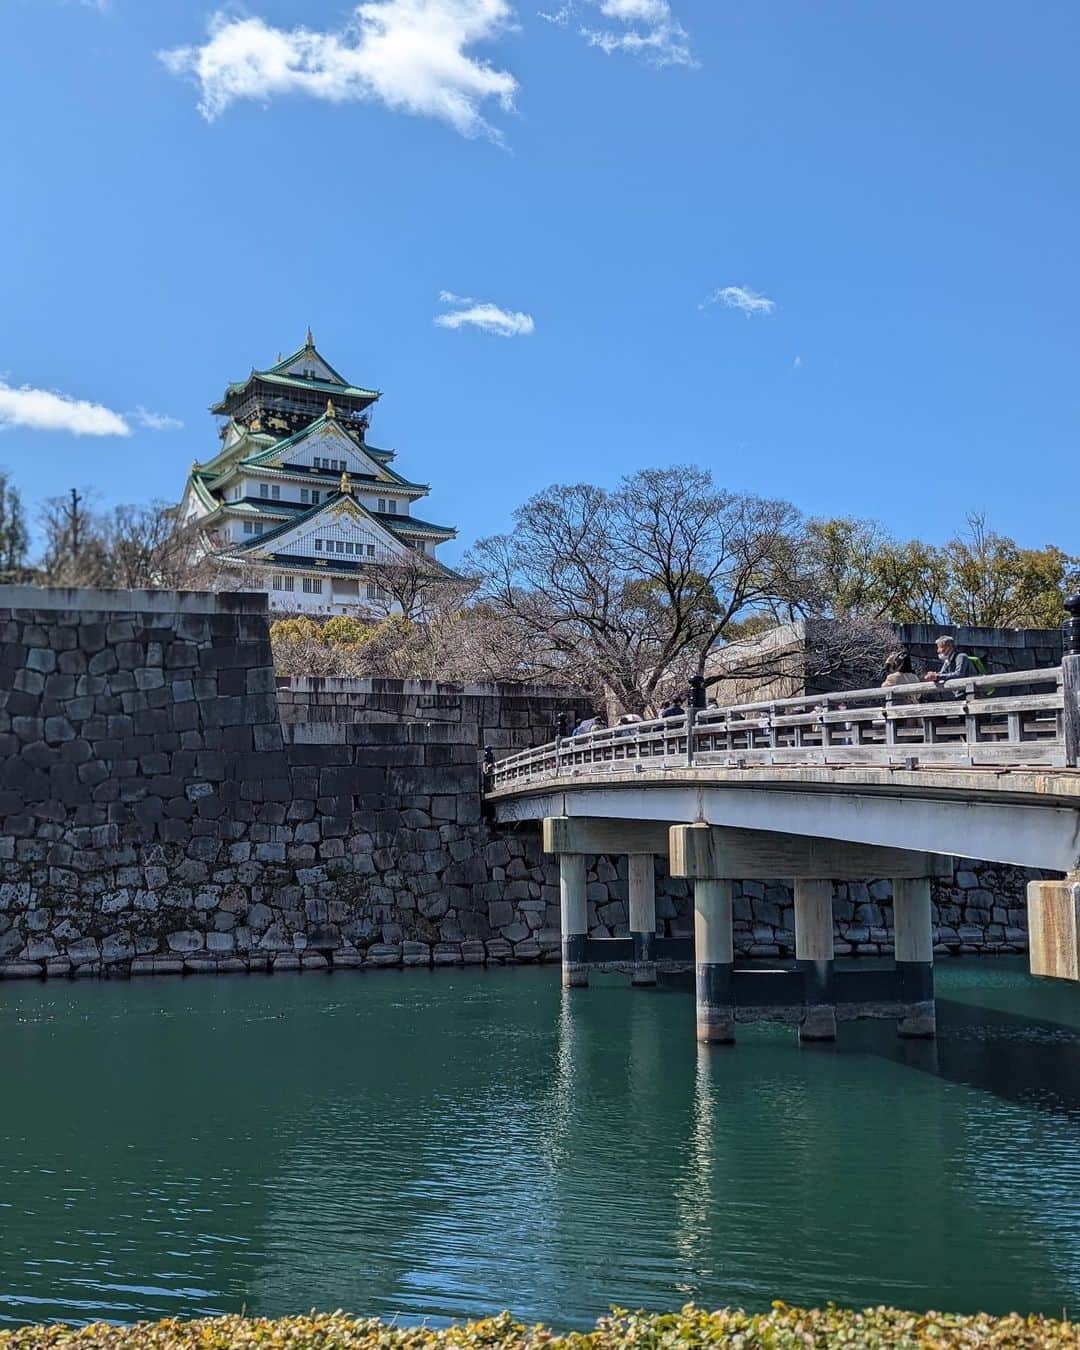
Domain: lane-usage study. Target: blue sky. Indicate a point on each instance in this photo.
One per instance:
(898, 180)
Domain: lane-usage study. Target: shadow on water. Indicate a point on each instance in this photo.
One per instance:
(1027, 1061)
(1023, 1059)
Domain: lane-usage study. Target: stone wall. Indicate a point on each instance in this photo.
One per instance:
(801, 658)
(504, 717)
(1001, 649)
(160, 812)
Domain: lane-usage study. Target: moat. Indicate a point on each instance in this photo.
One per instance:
(437, 1145)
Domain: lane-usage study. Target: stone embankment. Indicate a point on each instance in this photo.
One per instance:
(166, 805)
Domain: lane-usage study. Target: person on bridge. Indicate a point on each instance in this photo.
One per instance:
(898, 671)
(955, 665)
(595, 723)
(673, 709)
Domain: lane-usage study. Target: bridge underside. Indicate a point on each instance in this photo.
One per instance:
(1023, 827)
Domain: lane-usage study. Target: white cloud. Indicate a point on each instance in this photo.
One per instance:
(740, 297)
(797, 363)
(157, 421)
(482, 314)
(44, 410)
(410, 55)
(649, 29)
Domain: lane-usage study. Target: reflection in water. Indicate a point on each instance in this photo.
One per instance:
(436, 1145)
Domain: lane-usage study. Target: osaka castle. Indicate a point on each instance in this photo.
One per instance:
(296, 501)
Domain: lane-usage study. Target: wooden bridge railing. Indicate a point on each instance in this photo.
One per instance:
(1009, 720)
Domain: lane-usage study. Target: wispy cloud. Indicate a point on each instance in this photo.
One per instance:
(44, 410)
(797, 363)
(157, 421)
(648, 29)
(482, 314)
(410, 55)
(742, 298)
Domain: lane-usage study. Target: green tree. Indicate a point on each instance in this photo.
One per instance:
(995, 583)
(14, 537)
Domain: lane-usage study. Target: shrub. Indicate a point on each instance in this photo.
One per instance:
(344, 629)
(693, 1328)
(295, 630)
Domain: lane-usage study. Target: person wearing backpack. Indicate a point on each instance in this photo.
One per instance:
(955, 665)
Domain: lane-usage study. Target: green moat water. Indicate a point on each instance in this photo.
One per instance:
(446, 1144)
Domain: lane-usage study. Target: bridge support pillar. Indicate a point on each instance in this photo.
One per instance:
(914, 956)
(714, 959)
(575, 919)
(642, 881)
(814, 957)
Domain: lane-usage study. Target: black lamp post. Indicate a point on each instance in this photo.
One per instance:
(1070, 629)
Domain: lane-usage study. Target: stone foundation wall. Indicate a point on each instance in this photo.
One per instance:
(980, 911)
(504, 717)
(166, 806)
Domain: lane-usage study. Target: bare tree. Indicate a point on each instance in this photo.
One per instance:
(616, 589)
(415, 586)
(149, 547)
(130, 547)
(74, 553)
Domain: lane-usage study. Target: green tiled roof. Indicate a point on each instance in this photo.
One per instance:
(311, 512)
(296, 382)
(412, 525)
(307, 347)
(274, 451)
(391, 524)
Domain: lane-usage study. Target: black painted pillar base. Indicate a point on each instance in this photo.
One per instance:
(575, 968)
(715, 1003)
(918, 1016)
(643, 970)
(819, 1020)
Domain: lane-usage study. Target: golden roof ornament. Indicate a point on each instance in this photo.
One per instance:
(331, 411)
(309, 341)
(346, 486)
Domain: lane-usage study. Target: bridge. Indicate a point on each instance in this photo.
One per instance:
(872, 783)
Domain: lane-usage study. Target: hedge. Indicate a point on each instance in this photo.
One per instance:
(782, 1328)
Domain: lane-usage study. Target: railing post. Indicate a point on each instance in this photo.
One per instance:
(1070, 682)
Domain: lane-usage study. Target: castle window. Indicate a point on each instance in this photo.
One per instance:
(371, 550)
(313, 585)
(382, 505)
(318, 545)
(289, 583)
(305, 496)
(314, 499)
(275, 492)
(341, 546)
(264, 491)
